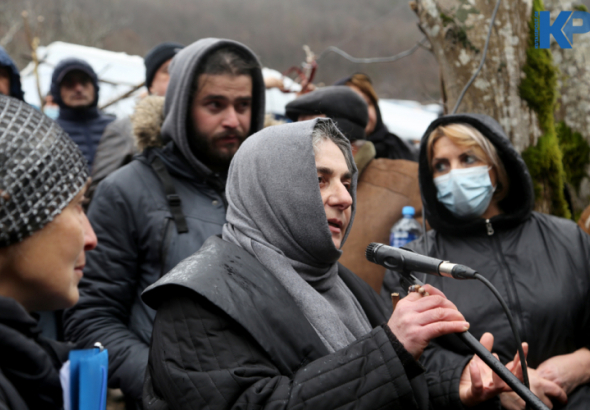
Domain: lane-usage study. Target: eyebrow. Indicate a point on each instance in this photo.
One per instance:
(330, 171)
(223, 97)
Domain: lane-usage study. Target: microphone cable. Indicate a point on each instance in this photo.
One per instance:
(523, 365)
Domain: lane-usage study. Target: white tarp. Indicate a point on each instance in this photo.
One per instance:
(119, 73)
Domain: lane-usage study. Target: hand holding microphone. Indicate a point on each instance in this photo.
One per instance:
(418, 319)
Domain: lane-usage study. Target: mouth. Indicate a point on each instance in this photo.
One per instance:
(335, 225)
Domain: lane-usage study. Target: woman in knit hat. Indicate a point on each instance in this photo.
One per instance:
(44, 234)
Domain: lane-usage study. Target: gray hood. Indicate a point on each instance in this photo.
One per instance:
(276, 213)
(177, 105)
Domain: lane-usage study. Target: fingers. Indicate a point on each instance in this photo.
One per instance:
(438, 329)
(476, 379)
(553, 390)
(487, 340)
(438, 315)
(423, 303)
(433, 291)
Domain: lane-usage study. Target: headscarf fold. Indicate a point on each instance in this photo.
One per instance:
(275, 212)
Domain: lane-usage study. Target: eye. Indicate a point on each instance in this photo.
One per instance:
(470, 159)
(213, 105)
(243, 106)
(440, 167)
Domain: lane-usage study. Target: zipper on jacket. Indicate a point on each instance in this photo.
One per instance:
(489, 227)
(513, 301)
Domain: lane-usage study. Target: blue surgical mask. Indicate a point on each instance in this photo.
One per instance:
(51, 112)
(466, 192)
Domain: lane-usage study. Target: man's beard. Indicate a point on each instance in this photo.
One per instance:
(206, 149)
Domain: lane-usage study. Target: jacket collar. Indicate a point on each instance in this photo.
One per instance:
(78, 115)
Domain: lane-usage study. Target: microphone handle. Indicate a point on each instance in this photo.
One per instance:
(497, 367)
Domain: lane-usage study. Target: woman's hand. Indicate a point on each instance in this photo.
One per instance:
(417, 319)
(478, 382)
(568, 371)
(546, 390)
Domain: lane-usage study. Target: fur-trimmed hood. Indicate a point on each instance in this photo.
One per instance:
(147, 122)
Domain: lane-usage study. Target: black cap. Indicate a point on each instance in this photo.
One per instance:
(348, 110)
(156, 57)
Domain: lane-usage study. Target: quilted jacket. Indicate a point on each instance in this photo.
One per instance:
(227, 335)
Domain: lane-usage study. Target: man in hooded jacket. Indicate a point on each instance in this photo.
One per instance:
(159, 209)
(9, 77)
(539, 263)
(117, 144)
(79, 115)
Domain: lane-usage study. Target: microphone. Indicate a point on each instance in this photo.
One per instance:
(404, 260)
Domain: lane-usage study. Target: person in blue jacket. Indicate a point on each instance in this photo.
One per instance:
(74, 87)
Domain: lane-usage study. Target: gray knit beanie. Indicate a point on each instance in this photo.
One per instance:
(41, 170)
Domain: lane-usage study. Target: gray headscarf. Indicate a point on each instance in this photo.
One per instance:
(275, 212)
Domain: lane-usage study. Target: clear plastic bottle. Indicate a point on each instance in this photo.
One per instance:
(406, 229)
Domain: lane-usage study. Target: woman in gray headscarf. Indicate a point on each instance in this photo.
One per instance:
(266, 317)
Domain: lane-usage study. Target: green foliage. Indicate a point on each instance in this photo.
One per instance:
(539, 90)
(580, 7)
(576, 154)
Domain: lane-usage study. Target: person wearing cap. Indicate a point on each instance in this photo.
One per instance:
(44, 238)
(74, 87)
(9, 77)
(159, 209)
(385, 185)
(387, 144)
(117, 145)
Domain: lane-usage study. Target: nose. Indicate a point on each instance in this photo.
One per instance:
(90, 240)
(230, 119)
(339, 197)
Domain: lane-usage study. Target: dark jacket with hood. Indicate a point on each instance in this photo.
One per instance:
(84, 125)
(539, 263)
(389, 145)
(138, 239)
(15, 85)
(29, 363)
(228, 335)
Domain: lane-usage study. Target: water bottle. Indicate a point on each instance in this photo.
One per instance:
(406, 229)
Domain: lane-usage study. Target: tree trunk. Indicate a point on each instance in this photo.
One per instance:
(573, 103)
(457, 30)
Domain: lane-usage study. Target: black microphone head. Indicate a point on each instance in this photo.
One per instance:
(370, 252)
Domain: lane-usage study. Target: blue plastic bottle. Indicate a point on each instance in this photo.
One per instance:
(406, 229)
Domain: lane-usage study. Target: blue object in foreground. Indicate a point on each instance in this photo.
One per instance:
(88, 379)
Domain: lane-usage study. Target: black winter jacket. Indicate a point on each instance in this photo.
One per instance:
(389, 145)
(227, 335)
(29, 363)
(137, 244)
(539, 263)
